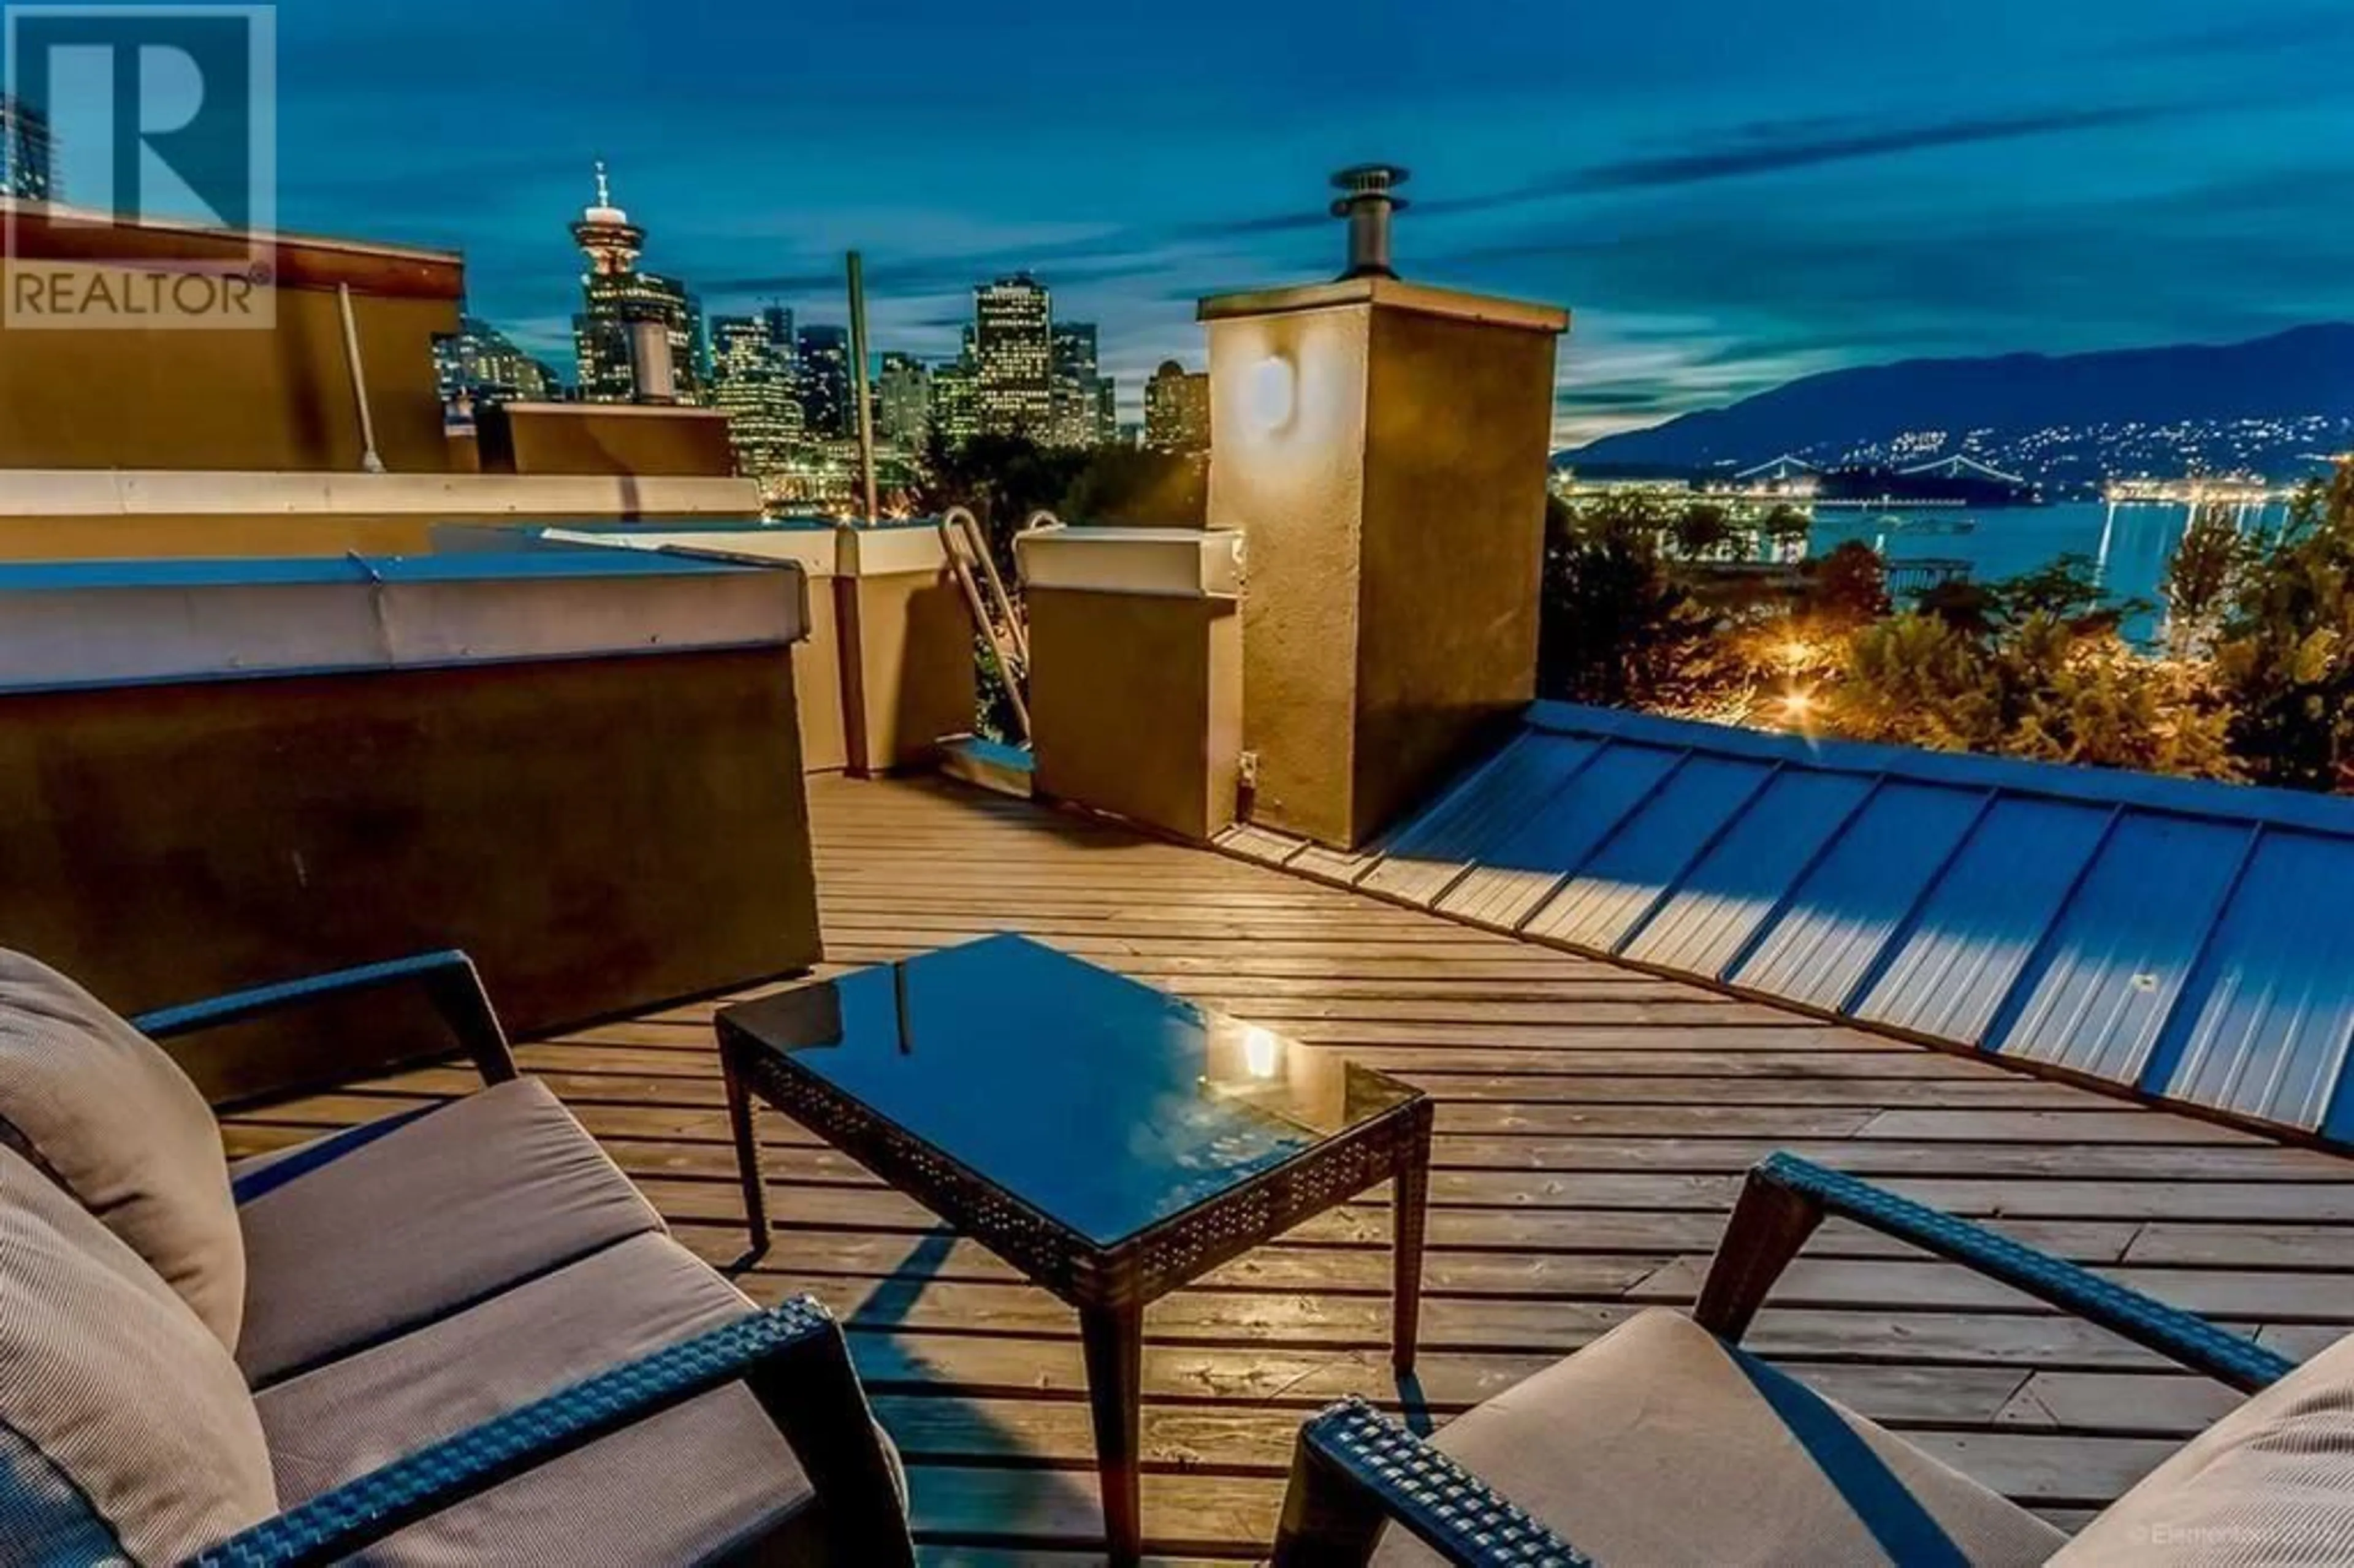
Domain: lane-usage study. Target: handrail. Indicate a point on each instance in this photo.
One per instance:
(993, 615)
(1017, 629)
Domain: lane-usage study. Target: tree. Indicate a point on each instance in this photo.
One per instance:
(1969, 608)
(1918, 680)
(1700, 530)
(1148, 489)
(2046, 687)
(1849, 586)
(2068, 590)
(2202, 576)
(2286, 654)
(1785, 525)
(2030, 666)
(1617, 628)
(2258, 683)
(1004, 479)
(2082, 695)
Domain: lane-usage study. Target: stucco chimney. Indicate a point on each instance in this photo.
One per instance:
(1382, 445)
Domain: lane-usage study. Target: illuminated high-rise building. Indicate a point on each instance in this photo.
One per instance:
(1071, 414)
(750, 384)
(824, 370)
(778, 320)
(785, 342)
(1013, 357)
(1107, 411)
(1075, 399)
(1177, 409)
(956, 402)
(904, 402)
(480, 363)
(1074, 346)
(739, 349)
(25, 154)
(615, 296)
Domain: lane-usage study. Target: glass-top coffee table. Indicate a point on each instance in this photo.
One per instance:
(1109, 1140)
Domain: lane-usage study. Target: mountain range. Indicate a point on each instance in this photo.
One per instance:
(2274, 406)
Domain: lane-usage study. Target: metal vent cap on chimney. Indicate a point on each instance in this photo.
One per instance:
(1367, 203)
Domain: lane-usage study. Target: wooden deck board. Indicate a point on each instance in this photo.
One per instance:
(1593, 1126)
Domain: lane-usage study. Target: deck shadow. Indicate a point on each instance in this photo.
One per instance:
(1026, 1492)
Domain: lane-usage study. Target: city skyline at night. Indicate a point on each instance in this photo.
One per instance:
(1728, 200)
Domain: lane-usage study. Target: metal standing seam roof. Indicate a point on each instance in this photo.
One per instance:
(2182, 938)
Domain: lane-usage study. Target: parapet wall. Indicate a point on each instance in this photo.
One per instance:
(583, 769)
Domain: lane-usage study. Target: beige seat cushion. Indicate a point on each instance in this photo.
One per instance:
(675, 1489)
(2271, 1483)
(1652, 1446)
(375, 1230)
(124, 1427)
(106, 1111)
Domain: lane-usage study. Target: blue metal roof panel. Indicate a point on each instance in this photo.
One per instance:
(2264, 1027)
(1981, 922)
(2097, 785)
(1739, 884)
(1820, 950)
(1515, 875)
(2171, 935)
(2100, 991)
(1627, 876)
(1424, 860)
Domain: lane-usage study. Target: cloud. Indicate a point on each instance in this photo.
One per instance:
(1106, 256)
(1271, 223)
(928, 275)
(1783, 294)
(1177, 262)
(2266, 34)
(1612, 397)
(1772, 148)
(1767, 147)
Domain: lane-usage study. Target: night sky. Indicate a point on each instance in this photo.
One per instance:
(1728, 194)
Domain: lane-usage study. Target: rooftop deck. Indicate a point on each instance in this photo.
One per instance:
(1592, 1125)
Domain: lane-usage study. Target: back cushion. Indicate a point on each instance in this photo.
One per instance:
(2271, 1483)
(125, 1428)
(105, 1111)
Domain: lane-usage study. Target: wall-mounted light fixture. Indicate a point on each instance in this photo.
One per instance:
(1273, 397)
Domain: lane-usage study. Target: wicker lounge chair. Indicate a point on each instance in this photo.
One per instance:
(1664, 1442)
(457, 1334)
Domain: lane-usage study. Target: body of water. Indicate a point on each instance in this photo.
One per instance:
(2130, 546)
